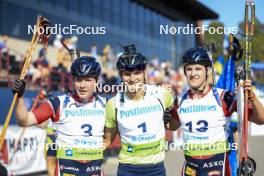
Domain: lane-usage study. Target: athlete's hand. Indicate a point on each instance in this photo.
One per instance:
(167, 115)
(3, 170)
(248, 87)
(18, 86)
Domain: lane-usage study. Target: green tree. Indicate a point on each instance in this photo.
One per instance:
(257, 42)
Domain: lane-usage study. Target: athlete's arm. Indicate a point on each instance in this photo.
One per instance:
(257, 112)
(256, 109)
(46, 110)
(110, 123)
(23, 117)
(27, 118)
(175, 123)
(43, 125)
(170, 122)
(109, 136)
(257, 115)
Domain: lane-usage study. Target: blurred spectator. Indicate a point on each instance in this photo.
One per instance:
(42, 66)
(34, 73)
(108, 58)
(155, 63)
(73, 42)
(63, 57)
(3, 43)
(178, 81)
(57, 41)
(94, 51)
(164, 75)
(157, 72)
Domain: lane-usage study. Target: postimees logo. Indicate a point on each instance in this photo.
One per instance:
(139, 111)
(197, 108)
(83, 112)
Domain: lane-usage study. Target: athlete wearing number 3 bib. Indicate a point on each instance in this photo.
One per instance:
(137, 114)
(79, 118)
(203, 113)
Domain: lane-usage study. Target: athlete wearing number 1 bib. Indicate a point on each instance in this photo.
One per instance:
(79, 119)
(137, 114)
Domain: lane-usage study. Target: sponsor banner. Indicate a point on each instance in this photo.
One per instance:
(29, 156)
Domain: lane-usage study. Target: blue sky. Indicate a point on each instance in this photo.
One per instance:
(231, 12)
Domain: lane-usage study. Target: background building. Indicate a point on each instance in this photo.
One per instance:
(125, 21)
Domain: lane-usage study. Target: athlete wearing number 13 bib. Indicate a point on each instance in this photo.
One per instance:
(203, 113)
(79, 118)
(137, 114)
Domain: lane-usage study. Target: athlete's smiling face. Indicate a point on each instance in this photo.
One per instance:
(134, 80)
(84, 87)
(195, 75)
